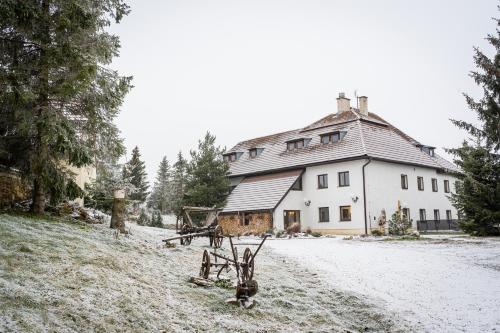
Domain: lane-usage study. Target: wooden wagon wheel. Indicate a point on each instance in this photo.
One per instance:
(247, 268)
(217, 237)
(205, 265)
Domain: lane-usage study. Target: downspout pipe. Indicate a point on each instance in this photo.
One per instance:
(364, 194)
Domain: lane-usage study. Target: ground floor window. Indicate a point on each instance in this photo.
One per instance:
(436, 215)
(448, 215)
(324, 214)
(345, 213)
(422, 215)
(290, 217)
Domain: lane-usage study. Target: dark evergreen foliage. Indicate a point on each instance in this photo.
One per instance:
(135, 170)
(207, 183)
(178, 184)
(162, 190)
(477, 195)
(58, 99)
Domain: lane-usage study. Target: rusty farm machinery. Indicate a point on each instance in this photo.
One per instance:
(246, 286)
(209, 227)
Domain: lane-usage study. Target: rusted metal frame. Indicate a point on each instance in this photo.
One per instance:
(236, 264)
(257, 251)
(186, 236)
(223, 257)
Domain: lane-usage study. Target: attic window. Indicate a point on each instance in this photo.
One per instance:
(332, 137)
(428, 150)
(297, 144)
(231, 157)
(254, 152)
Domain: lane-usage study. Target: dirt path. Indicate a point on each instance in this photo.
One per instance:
(70, 278)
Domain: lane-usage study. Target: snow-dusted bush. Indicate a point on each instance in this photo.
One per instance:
(280, 233)
(308, 231)
(144, 218)
(316, 234)
(294, 228)
(377, 232)
(399, 224)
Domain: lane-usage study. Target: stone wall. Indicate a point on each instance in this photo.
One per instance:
(12, 189)
(233, 224)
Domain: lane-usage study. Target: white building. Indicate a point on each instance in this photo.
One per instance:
(336, 176)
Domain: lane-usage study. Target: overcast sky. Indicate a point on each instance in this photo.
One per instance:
(243, 69)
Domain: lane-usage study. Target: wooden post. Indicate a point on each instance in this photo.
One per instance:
(118, 211)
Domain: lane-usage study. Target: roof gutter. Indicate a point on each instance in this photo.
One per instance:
(364, 194)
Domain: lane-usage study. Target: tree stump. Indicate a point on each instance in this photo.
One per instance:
(119, 211)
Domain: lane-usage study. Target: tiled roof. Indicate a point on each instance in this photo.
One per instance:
(260, 192)
(367, 136)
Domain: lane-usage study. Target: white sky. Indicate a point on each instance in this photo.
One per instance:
(243, 69)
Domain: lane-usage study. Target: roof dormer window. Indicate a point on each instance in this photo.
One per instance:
(297, 144)
(427, 149)
(332, 137)
(254, 152)
(231, 157)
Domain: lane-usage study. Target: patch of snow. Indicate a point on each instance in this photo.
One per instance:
(441, 285)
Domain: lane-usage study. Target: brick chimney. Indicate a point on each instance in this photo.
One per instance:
(363, 105)
(343, 103)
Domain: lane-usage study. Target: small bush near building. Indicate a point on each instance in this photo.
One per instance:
(377, 232)
(399, 224)
(270, 232)
(308, 231)
(294, 228)
(280, 233)
(316, 234)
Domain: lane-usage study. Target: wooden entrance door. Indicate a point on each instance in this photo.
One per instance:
(290, 217)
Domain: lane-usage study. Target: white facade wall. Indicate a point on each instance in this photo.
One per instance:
(383, 190)
(332, 197)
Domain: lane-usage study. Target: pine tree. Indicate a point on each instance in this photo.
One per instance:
(477, 193)
(178, 184)
(58, 99)
(161, 194)
(207, 183)
(135, 170)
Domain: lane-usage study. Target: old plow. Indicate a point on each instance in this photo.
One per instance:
(187, 230)
(246, 286)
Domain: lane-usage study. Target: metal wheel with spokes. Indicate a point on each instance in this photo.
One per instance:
(248, 265)
(205, 265)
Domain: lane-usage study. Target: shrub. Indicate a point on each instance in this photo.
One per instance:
(280, 233)
(316, 234)
(399, 224)
(294, 228)
(308, 231)
(156, 219)
(270, 232)
(143, 218)
(377, 232)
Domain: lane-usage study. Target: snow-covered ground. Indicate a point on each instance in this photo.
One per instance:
(448, 284)
(66, 277)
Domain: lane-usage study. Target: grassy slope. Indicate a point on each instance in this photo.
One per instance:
(64, 277)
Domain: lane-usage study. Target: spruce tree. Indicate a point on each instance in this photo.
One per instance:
(161, 194)
(207, 183)
(58, 98)
(477, 194)
(178, 184)
(135, 170)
